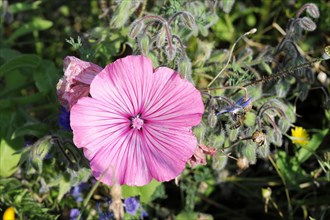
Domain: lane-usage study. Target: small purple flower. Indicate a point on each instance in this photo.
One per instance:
(74, 213)
(64, 119)
(143, 214)
(104, 215)
(132, 205)
(240, 104)
(76, 191)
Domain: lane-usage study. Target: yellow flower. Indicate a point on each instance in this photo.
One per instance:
(299, 135)
(9, 214)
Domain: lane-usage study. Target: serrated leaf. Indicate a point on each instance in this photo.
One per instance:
(21, 61)
(145, 192)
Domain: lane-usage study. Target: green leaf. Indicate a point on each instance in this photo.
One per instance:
(37, 24)
(64, 186)
(23, 6)
(9, 157)
(22, 61)
(250, 119)
(186, 215)
(33, 129)
(46, 76)
(145, 192)
(199, 132)
(250, 152)
(290, 168)
(14, 82)
(219, 161)
(25, 100)
(307, 150)
(8, 54)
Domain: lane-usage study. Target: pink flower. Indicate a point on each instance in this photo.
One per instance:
(136, 125)
(78, 75)
(199, 155)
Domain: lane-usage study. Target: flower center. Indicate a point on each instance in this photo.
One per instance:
(137, 122)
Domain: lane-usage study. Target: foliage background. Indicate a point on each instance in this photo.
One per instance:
(39, 164)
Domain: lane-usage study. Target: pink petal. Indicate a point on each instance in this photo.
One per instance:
(125, 83)
(168, 150)
(175, 101)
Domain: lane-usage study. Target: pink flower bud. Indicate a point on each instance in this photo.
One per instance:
(199, 156)
(78, 75)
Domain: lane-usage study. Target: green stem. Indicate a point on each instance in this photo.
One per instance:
(285, 187)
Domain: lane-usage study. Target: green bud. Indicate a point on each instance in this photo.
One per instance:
(170, 51)
(184, 66)
(267, 67)
(144, 44)
(250, 119)
(121, 14)
(217, 140)
(199, 132)
(303, 91)
(326, 54)
(219, 161)
(226, 5)
(266, 193)
(39, 151)
(161, 37)
(278, 140)
(307, 24)
(189, 19)
(313, 10)
(136, 29)
(212, 119)
(282, 88)
(233, 133)
(263, 150)
(284, 124)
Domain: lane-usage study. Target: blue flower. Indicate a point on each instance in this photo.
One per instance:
(144, 214)
(104, 215)
(74, 213)
(76, 191)
(64, 119)
(132, 205)
(240, 104)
